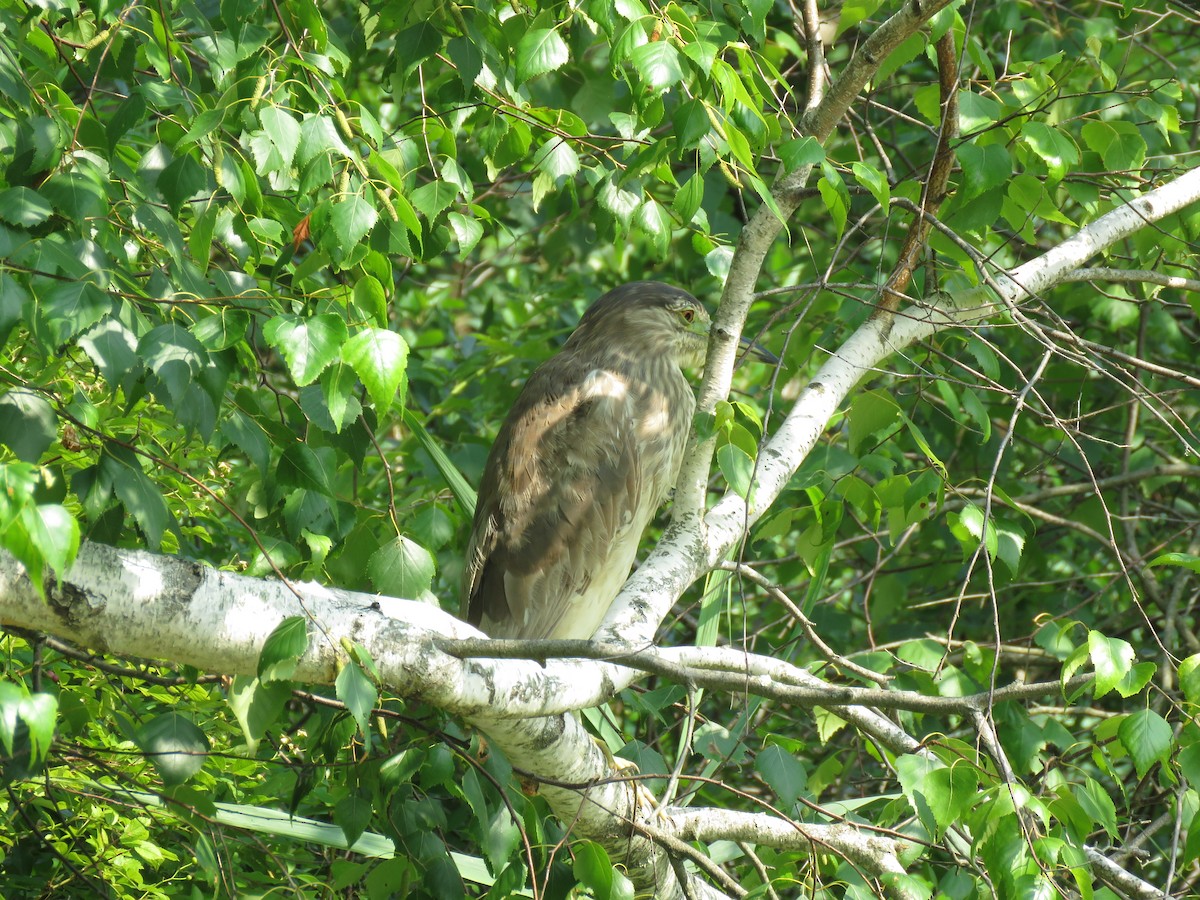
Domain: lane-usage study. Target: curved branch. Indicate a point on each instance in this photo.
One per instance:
(875, 853)
(692, 547)
(1132, 276)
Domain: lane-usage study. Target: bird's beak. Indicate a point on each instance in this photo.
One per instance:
(749, 348)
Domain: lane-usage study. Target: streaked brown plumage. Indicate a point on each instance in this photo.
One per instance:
(588, 453)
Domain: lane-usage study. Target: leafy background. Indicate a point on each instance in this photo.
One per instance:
(272, 274)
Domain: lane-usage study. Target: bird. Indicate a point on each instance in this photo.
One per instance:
(588, 453)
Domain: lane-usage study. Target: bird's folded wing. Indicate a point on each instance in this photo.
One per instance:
(552, 554)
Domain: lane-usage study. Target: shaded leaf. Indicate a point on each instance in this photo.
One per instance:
(28, 425)
(282, 649)
(358, 693)
(175, 746)
(300, 467)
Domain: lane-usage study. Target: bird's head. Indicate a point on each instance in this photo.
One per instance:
(649, 318)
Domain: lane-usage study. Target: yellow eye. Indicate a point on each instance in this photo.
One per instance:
(688, 314)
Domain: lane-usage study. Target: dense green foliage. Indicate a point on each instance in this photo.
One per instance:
(272, 273)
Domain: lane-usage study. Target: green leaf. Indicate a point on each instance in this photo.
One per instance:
(79, 194)
(338, 390)
(1136, 679)
(906, 52)
(837, 198)
(558, 158)
(466, 231)
(182, 180)
(416, 44)
(308, 344)
(54, 532)
(282, 649)
(657, 226)
(137, 493)
(299, 467)
(464, 494)
(370, 299)
(1010, 543)
(688, 198)
(913, 771)
(1191, 847)
(35, 534)
(1147, 737)
(501, 839)
(225, 328)
(283, 131)
(12, 304)
(200, 239)
(513, 146)
(353, 814)
(618, 201)
(24, 207)
(351, 219)
(1189, 678)
(28, 425)
(874, 181)
(264, 820)
(657, 63)
(971, 528)
(739, 146)
(257, 706)
(402, 568)
(380, 358)
(1095, 801)
(784, 773)
(718, 261)
(355, 689)
(249, 437)
(1053, 145)
(173, 354)
(983, 168)
(951, 792)
(976, 112)
(1111, 658)
(72, 307)
(805, 151)
(871, 413)
(737, 467)
(11, 696)
(39, 712)
(691, 124)
(595, 871)
(175, 746)
(1120, 144)
(1184, 560)
(466, 58)
(432, 198)
(541, 50)
(319, 134)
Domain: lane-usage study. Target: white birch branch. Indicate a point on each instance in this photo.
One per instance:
(692, 546)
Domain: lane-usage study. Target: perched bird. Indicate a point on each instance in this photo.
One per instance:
(588, 453)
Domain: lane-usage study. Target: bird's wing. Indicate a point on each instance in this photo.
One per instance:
(564, 500)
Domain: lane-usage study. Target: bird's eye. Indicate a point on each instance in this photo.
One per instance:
(688, 314)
